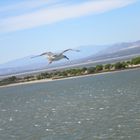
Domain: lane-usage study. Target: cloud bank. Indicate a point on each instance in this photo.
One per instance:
(57, 13)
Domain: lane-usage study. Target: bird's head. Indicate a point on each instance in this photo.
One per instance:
(65, 57)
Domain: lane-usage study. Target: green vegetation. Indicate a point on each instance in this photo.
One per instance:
(135, 61)
(9, 80)
(74, 72)
(108, 67)
(99, 68)
(120, 65)
(91, 70)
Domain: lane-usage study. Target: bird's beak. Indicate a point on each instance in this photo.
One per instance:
(66, 57)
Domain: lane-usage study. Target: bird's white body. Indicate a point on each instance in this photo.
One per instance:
(55, 57)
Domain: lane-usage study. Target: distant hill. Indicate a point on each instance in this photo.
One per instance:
(117, 51)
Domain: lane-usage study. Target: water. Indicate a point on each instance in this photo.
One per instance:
(102, 107)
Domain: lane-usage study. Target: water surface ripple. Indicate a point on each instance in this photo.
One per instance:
(102, 107)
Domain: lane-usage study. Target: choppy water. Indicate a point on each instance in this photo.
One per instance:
(102, 107)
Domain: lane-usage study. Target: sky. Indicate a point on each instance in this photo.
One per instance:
(29, 27)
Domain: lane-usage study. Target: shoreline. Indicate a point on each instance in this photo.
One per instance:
(67, 78)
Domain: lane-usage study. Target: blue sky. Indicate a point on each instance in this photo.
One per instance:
(29, 27)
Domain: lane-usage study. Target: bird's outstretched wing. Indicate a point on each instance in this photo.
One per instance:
(45, 53)
(70, 50)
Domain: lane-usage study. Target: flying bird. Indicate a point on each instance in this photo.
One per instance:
(55, 56)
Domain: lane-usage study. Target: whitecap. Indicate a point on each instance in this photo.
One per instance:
(49, 130)
(119, 126)
(36, 125)
(92, 108)
(4, 110)
(101, 108)
(16, 110)
(45, 116)
(79, 122)
(10, 119)
(1, 129)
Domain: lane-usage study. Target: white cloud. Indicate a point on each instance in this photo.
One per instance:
(58, 13)
(25, 5)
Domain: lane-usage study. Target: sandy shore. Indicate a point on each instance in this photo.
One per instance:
(52, 80)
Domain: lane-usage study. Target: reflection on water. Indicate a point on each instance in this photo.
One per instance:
(103, 107)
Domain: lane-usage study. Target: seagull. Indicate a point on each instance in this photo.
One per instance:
(55, 56)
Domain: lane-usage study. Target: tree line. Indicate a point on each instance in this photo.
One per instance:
(74, 72)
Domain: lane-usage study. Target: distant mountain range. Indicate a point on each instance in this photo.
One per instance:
(90, 53)
(120, 50)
